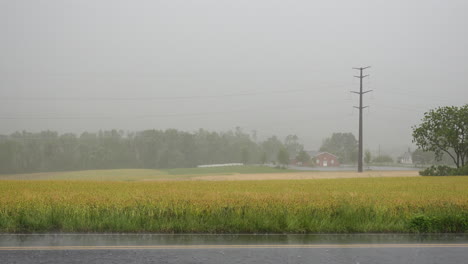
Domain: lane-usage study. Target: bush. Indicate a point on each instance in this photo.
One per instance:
(443, 170)
(463, 171)
(448, 223)
(440, 170)
(421, 223)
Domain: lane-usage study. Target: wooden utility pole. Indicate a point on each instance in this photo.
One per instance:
(360, 107)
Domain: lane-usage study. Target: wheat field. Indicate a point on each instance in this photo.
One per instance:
(377, 204)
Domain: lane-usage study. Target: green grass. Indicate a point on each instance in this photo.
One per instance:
(140, 174)
(421, 204)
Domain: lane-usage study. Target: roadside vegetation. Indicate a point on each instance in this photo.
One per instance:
(421, 204)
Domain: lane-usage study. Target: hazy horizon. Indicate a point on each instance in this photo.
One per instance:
(275, 67)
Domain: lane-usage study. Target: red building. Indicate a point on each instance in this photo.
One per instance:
(325, 159)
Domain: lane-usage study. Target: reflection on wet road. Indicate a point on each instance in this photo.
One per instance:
(154, 248)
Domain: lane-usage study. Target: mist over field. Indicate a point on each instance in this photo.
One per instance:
(273, 67)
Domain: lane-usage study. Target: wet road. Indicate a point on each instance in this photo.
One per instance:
(151, 248)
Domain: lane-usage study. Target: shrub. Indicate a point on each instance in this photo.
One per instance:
(440, 170)
(460, 171)
(421, 223)
(443, 170)
(445, 223)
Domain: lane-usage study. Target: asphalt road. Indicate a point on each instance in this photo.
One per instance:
(235, 249)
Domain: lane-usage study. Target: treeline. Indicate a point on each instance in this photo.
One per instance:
(153, 149)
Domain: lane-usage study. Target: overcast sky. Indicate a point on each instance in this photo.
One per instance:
(277, 67)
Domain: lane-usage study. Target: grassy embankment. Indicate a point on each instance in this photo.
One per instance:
(418, 204)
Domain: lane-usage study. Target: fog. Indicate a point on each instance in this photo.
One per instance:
(274, 67)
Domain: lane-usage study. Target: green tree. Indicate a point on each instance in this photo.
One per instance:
(444, 130)
(48, 151)
(367, 157)
(303, 157)
(343, 145)
(245, 156)
(271, 147)
(283, 157)
(292, 145)
(263, 158)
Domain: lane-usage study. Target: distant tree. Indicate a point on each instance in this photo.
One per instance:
(263, 158)
(23, 152)
(367, 157)
(292, 145)
(271, 147)
(444, 130)
(383, 159)
(245, 156)
(303, 157)
(343, 145)
(283, 157)
(8, 153)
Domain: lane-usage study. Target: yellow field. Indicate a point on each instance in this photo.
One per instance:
(383, 191)
(433, 204)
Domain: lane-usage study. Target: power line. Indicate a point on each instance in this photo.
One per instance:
(146, 116)
(360, 107)
(418, 95)
(149, 98)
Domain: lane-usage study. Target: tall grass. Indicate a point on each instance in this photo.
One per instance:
(293, 206)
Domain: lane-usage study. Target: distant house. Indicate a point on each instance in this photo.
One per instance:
(324, 159)
(406, 158)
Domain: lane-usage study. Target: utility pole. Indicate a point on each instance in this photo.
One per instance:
(360, 107)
